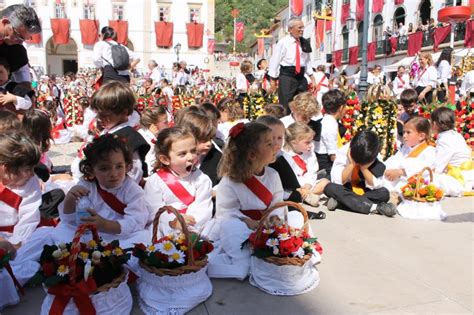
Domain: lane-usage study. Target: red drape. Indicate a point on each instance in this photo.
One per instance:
(415, 41)
(121, 27)
(393, 44)
(261, 46)
(469, 37)
(164, 34)
(371, 48)
(398, 2)
(60, 28)
(337, 57)
(239, 31)
(89, 31)
(360, 10)
(328, 25)
(35, 39)
(440, 34)
(345, 12)
(377, 6)
(195, 33)
(353, 52)
(319, 30)
(211, 44)
(297, 7)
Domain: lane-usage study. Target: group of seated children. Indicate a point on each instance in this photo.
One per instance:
(220, 191)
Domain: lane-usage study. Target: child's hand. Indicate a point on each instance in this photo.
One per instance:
(349, 158)
(102, 224)
(304, 191)
(251, 224)
(74, 194)
(7, 98)
(189, 219)
(393, 174)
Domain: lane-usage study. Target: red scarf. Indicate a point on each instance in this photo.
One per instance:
(13, 200)
(173, 183)
(301, 163)
(111, 200)
(320, 83)
(402, 81)
(262, 193)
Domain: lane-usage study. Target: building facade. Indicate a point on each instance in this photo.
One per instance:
(141, 15)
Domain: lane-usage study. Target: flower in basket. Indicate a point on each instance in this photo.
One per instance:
(426, 191)
(280, 241)
(171, 251)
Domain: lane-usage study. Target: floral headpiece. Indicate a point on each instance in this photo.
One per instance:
(236, 130)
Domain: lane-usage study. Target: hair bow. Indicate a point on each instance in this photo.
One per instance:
(236, 130)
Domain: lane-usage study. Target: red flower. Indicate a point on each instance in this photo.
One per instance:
(318, 248)
(466, 136)
(206, 247)
(140, 247)
(236, 130)
(161, 256)
(197, 255)
(48, 269)
(260, 243)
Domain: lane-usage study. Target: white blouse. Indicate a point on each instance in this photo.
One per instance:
(451, 148)
(427, 77)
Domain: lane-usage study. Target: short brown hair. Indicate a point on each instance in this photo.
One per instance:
(408, 97)
(305, 104)
(246, 66)
(333, 100)
(17, 150)
(165, 140)
(421, 124)
(275, 110)
(9, 121)
(200, 125)
(444, 118)
(115, 96)
(232, 107)
(269, 120)
(150, 116)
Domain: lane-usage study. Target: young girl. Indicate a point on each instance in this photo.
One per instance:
(231, 114)
(244, 79)
(20, 195)
(413, 156)
(247, 188)
(178, 183)
(151, 122)
(453, 165)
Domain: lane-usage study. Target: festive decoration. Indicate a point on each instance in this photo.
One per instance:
(465, 121)
(421, 190)
(255, 102)
(73, 110)
(145, 102)
(348, 120)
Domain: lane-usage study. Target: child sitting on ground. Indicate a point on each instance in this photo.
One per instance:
(231, 114)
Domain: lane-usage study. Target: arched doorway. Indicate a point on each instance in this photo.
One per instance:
(345, 43)
(425, 11)
(61, 59)
(398, 17)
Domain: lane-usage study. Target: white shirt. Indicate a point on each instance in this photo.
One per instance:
(411, 165)
(310, 176)
(467, 83)
(150, 158)
(241, 83)
(102, 50)
(425, 78)
(399, 85)
(375, 79)
(27, 218)
(156, 76)
(284, 54)
(452, 149)
(329, 133)
(444, 71)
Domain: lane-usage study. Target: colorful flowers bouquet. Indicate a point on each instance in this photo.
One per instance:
(73, 110)
(173, 276)
(144, 102)
(283, 258)
(85, 273)
(465, 121)
(352, 110)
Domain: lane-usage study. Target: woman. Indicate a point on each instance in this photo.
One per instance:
(103, 57)
(444, 73)
(426, 79)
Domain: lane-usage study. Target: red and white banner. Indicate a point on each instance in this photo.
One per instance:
(297, 7)
(239, 31)
(60, 28)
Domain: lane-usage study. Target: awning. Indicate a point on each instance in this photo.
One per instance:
(407, 62)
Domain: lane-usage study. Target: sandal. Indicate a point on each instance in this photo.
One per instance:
(316, 215)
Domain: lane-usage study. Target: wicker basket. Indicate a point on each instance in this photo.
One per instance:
(416, 195)
(280, 261)
(192, 265)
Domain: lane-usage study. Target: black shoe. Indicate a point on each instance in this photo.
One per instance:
(387, 209)
(332, 204)
(316, 215)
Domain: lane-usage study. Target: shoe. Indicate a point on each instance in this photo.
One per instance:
(387, 209)
(312, 200)
(332, 204)
(394, 198)
(316, 215)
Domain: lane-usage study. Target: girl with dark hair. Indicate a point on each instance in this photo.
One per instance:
(444, 72)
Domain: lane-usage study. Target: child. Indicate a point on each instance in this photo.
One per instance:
(357, 178)
(275, 110)
(178, 183)
(168, 93)
(151, 122)
(453, 165)
(9, 121)
(247, 188)
(12, 95)
(211, 111)
(409, 102)
(414, 155)
(21, 193)
(244, 80)
(334, 104)
(304, 109)
(231, 114)
(117, 202)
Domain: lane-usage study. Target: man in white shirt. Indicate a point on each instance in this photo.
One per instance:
(155, 73)
(401, 82)
(290, 62)
(467, 83)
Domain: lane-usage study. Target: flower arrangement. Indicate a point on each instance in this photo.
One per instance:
(144, 102)
(220, 94)
(465, 121)
(422, 190)
(98, 262)
(352, 110)
(73, 110)
(170, 251)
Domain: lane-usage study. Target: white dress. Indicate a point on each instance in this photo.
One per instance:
(150, 158)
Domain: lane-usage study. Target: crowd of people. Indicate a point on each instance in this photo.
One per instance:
(145, 148)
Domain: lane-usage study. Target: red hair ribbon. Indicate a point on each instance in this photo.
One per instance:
(236, 130)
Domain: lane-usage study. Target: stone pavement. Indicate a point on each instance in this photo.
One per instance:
(371, 264)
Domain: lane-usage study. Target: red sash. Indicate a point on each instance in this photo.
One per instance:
(261, 192)
(11, 199)
(176, 188)
(111, 200)
(402, 81)
(421, 74)
(320, 83)
(301, 163)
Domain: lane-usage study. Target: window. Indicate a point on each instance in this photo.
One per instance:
(309, 9)
(378, 28)
(118, 11)
(194, 14)
(345, 43)
(89, 12)
(59, 10)
(163, 14)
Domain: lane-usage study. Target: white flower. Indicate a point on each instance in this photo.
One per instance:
(177, 256)
(96, 254)
(306, 244)
(62, 246)
(57, 253)
(166, 247)
(103, 243)
(299, 253)
(283, 236)
(272, 242)
(63, 270)
(268, 231)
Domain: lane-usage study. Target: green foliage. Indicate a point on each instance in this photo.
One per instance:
(256, 15)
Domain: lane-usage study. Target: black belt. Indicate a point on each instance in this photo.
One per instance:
(291, 71)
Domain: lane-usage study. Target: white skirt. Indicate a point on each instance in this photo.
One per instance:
(172, 294)
(284, 280)
(421, 210)
(9, 294)
(112, 302)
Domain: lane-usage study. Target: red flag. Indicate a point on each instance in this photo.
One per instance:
(319, 33)
(211, 44)
(297, 7)
(360, 10)
(89, 31)
(469, 37)
(337, 58)
(440, 34)
(121, 27)
(398, 2)
(393, 44)
(261, 46)
(414, 43)
(371, 48)
(195, 34)
(353, 54)
(164, 34)
(239, 31)
(60, 28)
(377, 6)
(345, 12)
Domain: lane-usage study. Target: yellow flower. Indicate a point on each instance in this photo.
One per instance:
(183, 248)
(92, 244)
(62, 270)
(84, 255)
(118, 251)
(151, 248)
(106, 253)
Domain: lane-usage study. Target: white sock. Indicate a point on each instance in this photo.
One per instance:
(373, 208)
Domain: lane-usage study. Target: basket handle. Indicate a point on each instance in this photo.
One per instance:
(266, 214)
(76, 247)
(184, 226)
(419, 178)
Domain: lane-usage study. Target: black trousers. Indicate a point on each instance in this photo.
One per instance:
(428, 97)
(350, 201)
(290, 84)
(50, 202)
(110, 74)
(325, 163)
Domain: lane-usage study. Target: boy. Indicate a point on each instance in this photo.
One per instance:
(357, 178)
(303, 108)
(12, 95)
(409, 102)
(334, 104)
